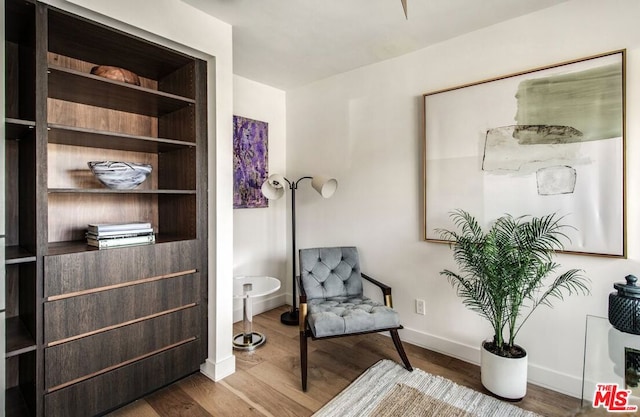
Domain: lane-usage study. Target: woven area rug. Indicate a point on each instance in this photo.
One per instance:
(387, 389)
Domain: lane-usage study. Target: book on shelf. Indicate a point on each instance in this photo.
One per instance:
(117, 227)
(119, 233)
(121, 241)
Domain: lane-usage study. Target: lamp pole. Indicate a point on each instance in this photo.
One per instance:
(273, 188)
(291, 318)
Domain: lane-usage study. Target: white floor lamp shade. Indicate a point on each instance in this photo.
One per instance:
(324, 186)
(273, 187)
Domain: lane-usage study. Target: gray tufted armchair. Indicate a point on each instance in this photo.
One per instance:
(332, 302)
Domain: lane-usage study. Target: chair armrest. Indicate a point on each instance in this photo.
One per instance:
(302, 293)
(386, 290)
(302, 306)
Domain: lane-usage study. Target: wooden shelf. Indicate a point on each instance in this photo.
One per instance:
(19, 340)
(18, 255)
(77, 136)
(17, 128)
(111, 191)
(79, 87)
(75, 246)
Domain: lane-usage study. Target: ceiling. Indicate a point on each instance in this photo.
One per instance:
(290, 43)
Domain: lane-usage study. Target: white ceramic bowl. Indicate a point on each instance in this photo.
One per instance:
(120, 175)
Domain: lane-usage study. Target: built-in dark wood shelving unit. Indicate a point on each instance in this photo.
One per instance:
(20, 264)
(58, 117)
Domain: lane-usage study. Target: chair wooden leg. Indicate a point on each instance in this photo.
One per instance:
(303, 360)
(398, 343)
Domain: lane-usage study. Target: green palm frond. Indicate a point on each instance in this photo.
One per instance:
(503, 271)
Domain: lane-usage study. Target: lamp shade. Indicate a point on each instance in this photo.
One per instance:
(273, 187)
(324, 186)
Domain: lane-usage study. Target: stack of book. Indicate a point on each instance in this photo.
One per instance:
(113, 235)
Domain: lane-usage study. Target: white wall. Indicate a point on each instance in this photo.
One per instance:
(185, 28)
(260, 234)
(364, 128)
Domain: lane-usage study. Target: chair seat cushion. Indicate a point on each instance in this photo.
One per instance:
(345, 315)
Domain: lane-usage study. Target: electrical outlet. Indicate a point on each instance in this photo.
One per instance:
(420, 307)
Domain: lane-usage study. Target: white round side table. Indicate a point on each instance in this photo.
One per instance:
(246, 288)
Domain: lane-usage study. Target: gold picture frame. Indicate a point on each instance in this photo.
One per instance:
(546, 140)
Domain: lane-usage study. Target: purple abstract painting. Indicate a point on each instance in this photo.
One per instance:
(250, 140)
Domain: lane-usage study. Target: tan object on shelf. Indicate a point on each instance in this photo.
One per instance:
(116, 73)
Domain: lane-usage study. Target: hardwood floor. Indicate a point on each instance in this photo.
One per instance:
(267, 380)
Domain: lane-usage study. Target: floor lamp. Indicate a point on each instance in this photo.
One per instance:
(273, 188)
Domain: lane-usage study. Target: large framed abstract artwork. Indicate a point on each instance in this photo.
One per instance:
(250, 162)
(549, 140)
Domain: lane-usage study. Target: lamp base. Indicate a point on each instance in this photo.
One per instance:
(290, 318)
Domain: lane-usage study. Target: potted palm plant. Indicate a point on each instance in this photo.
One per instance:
(503, 278)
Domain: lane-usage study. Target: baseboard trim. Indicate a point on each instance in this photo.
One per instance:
(218, 371)
(537, 375)
(260, 305)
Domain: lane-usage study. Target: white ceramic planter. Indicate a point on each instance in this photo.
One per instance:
(504, 377)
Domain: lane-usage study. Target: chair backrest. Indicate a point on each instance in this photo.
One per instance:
(330, 272)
